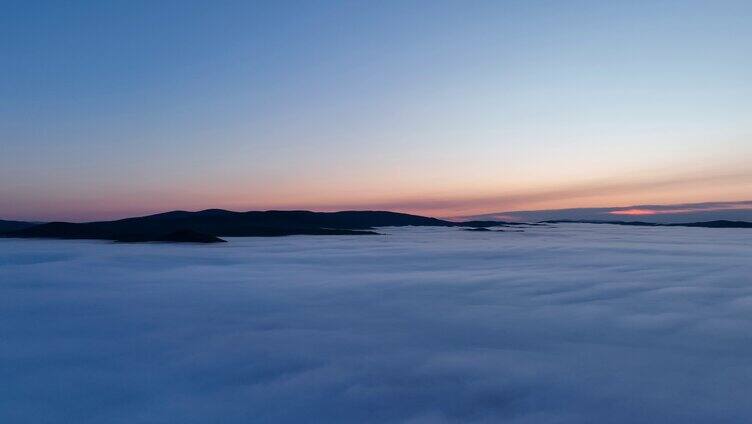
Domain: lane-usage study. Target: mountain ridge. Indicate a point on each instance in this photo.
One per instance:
(719, 223)
(224, 223)
(208, 225)
(8, 225)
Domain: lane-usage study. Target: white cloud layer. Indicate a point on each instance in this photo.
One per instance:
(573, 324)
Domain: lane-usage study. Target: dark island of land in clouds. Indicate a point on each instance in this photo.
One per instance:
(7, 226)
(210, 225)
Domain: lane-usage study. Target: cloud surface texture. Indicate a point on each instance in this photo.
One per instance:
(568, 324)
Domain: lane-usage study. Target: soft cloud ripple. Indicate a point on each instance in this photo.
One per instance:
(573, 324)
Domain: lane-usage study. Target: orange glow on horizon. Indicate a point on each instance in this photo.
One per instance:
(634, 212)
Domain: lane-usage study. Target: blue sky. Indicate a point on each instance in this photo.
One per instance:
(115, 108)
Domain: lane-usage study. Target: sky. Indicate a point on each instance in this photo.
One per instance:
(444, 108)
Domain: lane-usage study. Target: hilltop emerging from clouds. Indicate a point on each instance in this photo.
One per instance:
(208, 225)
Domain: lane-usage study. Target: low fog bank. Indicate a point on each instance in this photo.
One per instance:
(571, 324)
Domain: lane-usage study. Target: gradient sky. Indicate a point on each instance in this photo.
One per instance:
(109, 109)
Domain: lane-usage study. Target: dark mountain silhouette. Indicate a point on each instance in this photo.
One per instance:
(222, 223)
(705, 224)
(715, 224)
(208, 225)
(181, 236)
(151, 231)
(15, 225)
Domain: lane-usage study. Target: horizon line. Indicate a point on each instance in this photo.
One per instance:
(616, 211)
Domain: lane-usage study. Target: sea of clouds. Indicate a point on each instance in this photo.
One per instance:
(568, 324)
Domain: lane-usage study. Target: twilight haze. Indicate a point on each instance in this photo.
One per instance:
(441, 108)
